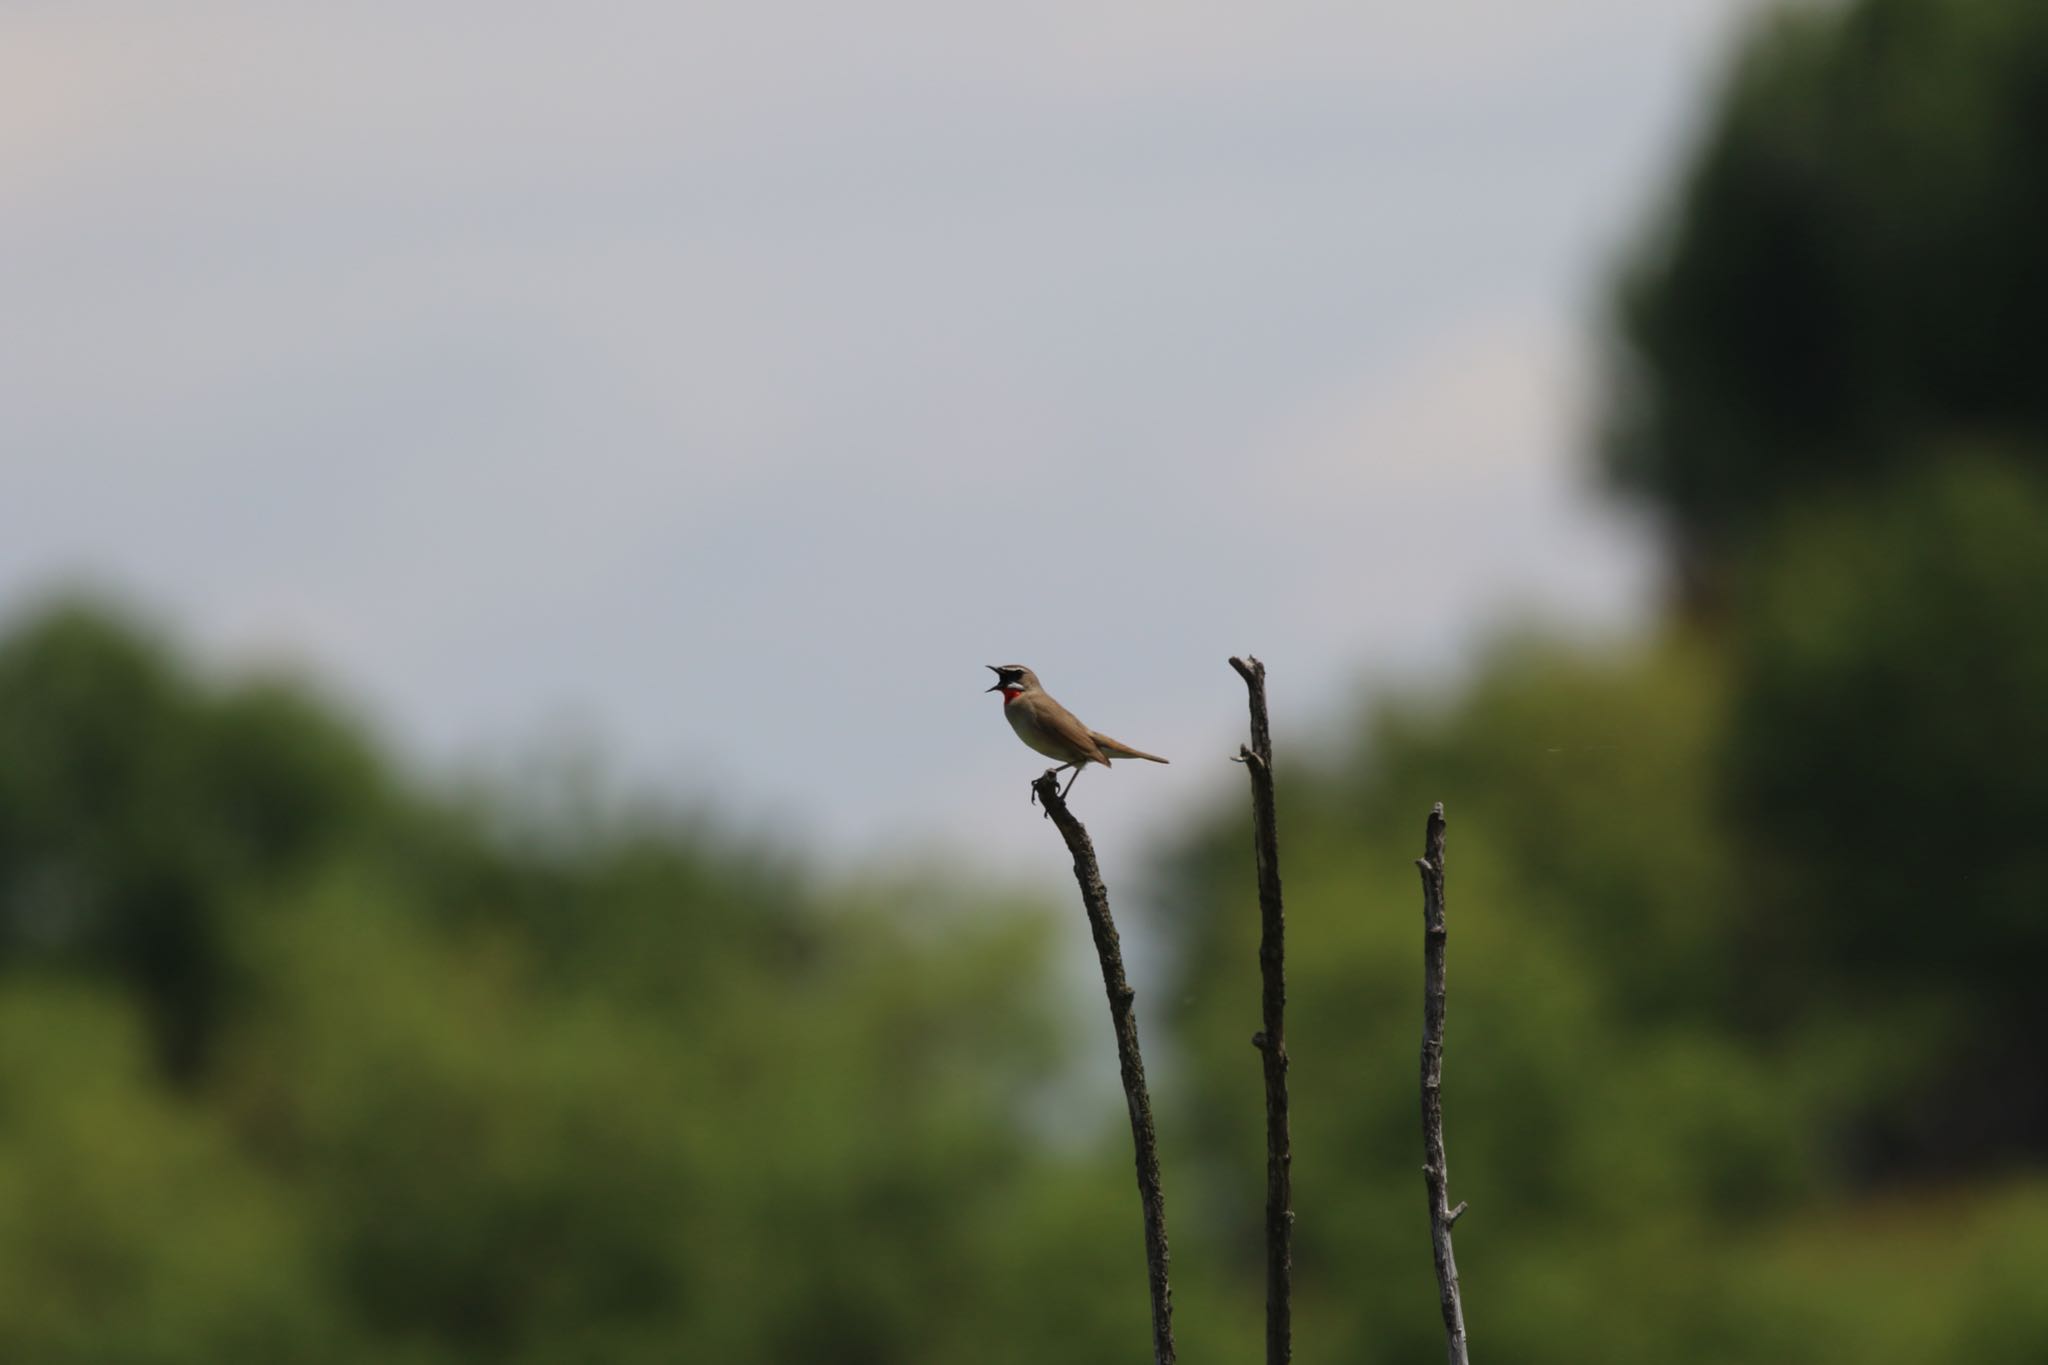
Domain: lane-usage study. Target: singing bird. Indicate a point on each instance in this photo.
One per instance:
(1052, 729)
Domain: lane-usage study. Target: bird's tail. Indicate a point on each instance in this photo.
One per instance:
(1116, 750)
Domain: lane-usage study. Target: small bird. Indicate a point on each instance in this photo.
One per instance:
(1052, 729)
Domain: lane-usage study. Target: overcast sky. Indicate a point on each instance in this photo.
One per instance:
(723, 386)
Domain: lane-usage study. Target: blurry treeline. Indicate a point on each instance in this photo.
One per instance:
(298, 1064)
(300, 1061)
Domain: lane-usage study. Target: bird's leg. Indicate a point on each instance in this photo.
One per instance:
(1048, 773)
(1072, 780)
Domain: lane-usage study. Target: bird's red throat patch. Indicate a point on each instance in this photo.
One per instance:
(1011, 694)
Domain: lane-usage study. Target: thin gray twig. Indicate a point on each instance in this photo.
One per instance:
(1144, 1142)
(1272, 1038)
(1434, 1174)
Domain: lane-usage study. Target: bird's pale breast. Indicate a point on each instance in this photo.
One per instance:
(1028, 729)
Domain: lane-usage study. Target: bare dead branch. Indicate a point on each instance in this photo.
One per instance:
(1272, 1039)
(1144, 1142)
(1441, 1214)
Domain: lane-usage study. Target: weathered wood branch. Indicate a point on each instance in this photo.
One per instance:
(1144, 1142)
(1435, 1177)
(1272, 1038)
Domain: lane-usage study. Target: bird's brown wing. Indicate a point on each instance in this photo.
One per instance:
(1063, 723)
(1117, 750)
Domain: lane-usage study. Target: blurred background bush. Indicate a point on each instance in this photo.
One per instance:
(304, 1059)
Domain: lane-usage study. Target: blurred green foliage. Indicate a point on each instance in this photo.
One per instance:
(1884, 767)
(1664, 1160)
(303, 1061)
(297, 1063)
(595, 1085)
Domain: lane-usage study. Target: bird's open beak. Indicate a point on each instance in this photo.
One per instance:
(999, 677)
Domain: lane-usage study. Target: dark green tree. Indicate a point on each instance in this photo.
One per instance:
(1885, 767)
(1829, 383)
(1850, 277)
(140, 809)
